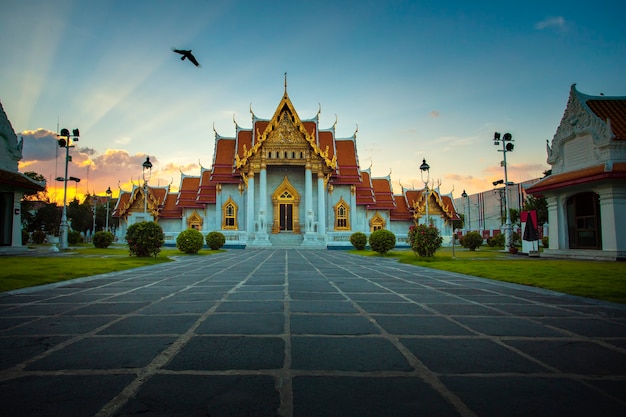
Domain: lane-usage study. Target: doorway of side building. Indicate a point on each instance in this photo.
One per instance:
(583, 221)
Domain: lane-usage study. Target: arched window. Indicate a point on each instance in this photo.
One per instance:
(342, 215)
(195, 221)
(229, 215)
(377, 222)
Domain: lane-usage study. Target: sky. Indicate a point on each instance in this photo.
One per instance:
(414, 79)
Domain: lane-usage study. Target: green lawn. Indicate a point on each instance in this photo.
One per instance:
(593, 279)
(27, 271)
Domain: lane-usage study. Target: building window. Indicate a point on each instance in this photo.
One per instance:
(229, 215)
(342, 215)
(194, 221)
(377, 222)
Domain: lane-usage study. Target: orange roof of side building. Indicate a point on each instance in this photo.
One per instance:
(612, 110)
(580, 176)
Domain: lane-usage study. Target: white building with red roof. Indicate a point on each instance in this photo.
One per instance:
(586, 191)
(284, 182)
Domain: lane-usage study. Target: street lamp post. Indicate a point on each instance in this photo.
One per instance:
(507, 146)
(65, 141)
(466, 197)
(108, 191)
(147, 173)
(425, 168)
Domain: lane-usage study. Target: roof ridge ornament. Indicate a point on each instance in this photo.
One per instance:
(285, 82)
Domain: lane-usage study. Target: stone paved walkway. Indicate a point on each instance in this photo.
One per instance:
(306, 333)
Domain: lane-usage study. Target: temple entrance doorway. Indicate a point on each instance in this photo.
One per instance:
(286, 217)
(286, 202)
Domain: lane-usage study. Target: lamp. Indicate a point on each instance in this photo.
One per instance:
(466, 197)
(425, 168)
(108, 192)
(147, 173)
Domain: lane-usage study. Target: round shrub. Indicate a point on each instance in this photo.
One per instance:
(215, 240)
(25, 237)
(496, 241)
(358, 240)
(425, 239)
(103, 239)
(545, 242)
(190, 241)
(472, 240)
(38, 237)
(382, 241)
(74, 237)
(145, 239)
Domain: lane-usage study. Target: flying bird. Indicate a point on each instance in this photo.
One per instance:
(186, 54)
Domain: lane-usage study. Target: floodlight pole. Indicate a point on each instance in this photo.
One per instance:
(64, 141)
(507, 146)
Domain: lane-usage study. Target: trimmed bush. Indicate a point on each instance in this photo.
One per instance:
(358, 240)
(74, 237)
(190, 241)
(545, 241)
(25, 237)
(103, 239)
(382, 241)
(38, 237)
(496, 241)
(215, 240)
(425, 240)
(472, 240)
(145, 239)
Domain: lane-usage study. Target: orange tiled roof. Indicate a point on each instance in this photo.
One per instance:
(122, 201)
(223, 161)
(326, 139)
(365, 190)
(383, 194)
(448, 207)
(169, 210)
(244, 137)
(348, 168)
(187, 196)
(581, 176)
(401, 212)
(206, 189)
(613, 110)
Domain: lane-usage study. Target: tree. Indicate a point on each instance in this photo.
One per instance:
(81, 215)
(459, 224)
(539, 204)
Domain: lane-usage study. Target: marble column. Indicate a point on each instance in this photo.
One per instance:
(250, 205)
(263, 198)
(308, 197)
(321, 205)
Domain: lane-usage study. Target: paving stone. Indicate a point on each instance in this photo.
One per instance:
(59, 395)
(330, 396)
(200, 395)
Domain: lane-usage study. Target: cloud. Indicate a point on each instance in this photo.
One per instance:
(434, 113)
(551, 22)
(39, 145)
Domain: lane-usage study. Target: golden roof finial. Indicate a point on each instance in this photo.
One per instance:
(285, 83)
